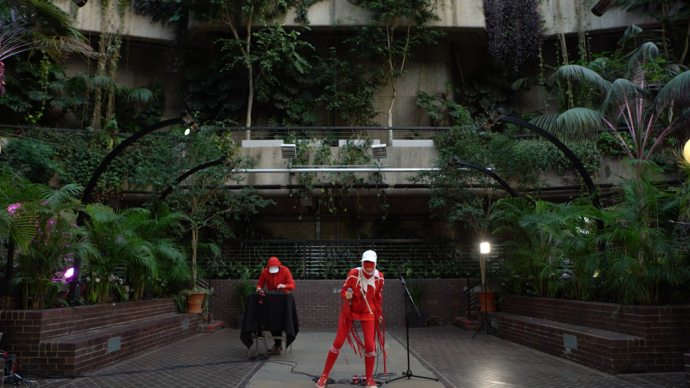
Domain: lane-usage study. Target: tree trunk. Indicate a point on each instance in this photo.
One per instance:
(195, 240)
(390, 113)
(250, 103)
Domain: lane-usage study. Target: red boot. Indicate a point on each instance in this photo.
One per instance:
(323, 381)
(371, 383)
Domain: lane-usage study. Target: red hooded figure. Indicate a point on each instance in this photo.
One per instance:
(276, 277)
(363, 288)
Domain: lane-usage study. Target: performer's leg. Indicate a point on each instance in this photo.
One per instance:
(369, 329)
(335, 350)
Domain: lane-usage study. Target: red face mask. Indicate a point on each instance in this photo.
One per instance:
(369, 268)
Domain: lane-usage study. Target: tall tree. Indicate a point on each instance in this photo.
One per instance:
(381, 38)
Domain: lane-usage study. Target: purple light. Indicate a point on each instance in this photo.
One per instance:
(69, 273)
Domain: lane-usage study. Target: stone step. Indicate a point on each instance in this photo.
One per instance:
(212, 327)
(466, 324)
(76, 354)
(605, 350)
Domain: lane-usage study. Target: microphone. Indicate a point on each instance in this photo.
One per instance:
(350, 291)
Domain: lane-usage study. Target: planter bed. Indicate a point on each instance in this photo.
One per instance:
(73, 341)
(656, 336)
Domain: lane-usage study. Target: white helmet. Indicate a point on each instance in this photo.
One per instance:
(369, 256)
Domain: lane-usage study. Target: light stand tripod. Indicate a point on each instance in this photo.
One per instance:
(485, 325)
(408, 374)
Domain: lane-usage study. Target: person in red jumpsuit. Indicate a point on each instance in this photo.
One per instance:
(366, 298)
(276, 277)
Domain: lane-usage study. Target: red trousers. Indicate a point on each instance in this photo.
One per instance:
(369, 330)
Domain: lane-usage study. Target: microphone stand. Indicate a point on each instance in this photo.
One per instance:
(408, 374)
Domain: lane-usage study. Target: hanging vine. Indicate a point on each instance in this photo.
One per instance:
(515, 32)
(103, 83)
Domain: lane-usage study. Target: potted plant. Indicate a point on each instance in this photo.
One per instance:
(417, 292)
(195, 299)
(243, 288)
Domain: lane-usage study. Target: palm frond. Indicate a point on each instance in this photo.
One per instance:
(581, 74)
(573, 124)
(676, 92)
(141, 95)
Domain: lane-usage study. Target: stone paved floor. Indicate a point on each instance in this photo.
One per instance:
(205, 360)
(460, 361)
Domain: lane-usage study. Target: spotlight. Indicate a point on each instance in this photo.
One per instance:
(227, 162)
(288, 151)
(493, 119)
(69, 273)
(686, 151)
(379, 151)
(602, 6)
(484, 248)
(189, 120)
(80, 3)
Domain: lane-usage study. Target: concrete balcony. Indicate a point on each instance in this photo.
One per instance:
(342, 14)
(568, 17)
(89, 19)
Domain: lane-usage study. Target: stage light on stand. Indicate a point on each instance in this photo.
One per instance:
(288, 151)
(69, 273)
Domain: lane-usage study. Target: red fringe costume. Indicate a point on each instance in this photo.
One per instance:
(366, 308)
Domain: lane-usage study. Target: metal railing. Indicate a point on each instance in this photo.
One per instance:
(332, 259)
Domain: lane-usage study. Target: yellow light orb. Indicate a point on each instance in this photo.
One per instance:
(686, 151)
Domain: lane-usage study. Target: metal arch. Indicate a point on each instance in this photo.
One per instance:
(182, 177)
(568, 153)
(490, 173)
(593, 192)
(86, 197)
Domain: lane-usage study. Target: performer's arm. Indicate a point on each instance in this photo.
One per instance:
(350, 282)
(262, 281)
(289, 282)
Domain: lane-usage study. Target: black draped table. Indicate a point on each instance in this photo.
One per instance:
(270, 312)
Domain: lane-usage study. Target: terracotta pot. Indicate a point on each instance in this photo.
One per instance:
(194, 303)
(488, 300)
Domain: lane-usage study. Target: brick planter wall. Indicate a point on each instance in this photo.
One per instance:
(663, 321)
(318, 302)
(636, 339)
(72, 341)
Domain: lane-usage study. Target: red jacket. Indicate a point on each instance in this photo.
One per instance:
(374, 297)
(272, 280)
